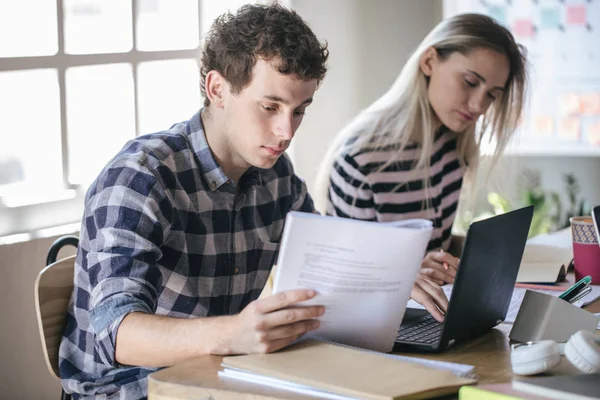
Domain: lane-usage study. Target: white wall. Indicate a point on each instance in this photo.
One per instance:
(23, 373)
(369, 41)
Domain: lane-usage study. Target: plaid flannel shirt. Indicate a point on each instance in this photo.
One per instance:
(165, 233)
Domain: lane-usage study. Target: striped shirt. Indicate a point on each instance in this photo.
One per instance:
(358, 190)
(166, 232)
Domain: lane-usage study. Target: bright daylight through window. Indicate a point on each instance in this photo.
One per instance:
(89, 76)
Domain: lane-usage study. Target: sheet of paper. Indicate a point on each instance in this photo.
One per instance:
(279, 384)
(361, 272)
(517, 299)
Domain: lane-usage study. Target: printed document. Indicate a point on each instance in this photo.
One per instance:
(362, 271)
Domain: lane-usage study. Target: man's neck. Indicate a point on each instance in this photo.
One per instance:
(214, 130)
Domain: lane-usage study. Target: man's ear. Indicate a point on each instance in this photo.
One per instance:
(427, 60)
(215, 86)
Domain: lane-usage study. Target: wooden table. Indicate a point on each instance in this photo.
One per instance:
(197, 378)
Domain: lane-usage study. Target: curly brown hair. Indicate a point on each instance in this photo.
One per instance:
(236, 41)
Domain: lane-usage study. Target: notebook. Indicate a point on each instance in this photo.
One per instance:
(544, 264)
(574, 387)
(328, 370)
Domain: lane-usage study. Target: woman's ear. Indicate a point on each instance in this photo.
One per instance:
(427, 61)
(215, 88)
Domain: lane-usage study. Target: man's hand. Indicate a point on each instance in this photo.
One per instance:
(271, 323)
(431, 296)
(439, 266)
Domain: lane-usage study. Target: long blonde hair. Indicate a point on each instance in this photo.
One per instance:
(403, 114)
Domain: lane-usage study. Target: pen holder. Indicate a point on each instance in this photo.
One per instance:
(542, 316)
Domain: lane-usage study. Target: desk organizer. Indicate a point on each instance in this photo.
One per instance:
(542, 316)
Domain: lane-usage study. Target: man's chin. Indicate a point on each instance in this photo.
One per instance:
(265, 163)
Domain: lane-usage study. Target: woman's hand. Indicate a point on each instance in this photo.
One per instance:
(439, 266)
(431, 296)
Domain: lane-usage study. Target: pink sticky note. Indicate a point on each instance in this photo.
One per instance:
(543, 125)
(569, 104)
(523, 28)
(593, 132)
(576, 14)
(590, 104)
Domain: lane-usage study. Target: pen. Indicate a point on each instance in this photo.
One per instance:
(581, 294)
(445, 263)
(573, 290)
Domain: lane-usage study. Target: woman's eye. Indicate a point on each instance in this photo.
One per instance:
(269, 108)
(299, 112)
(491, 96)
(470, 83)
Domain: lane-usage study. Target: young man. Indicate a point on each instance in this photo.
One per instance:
(182, 227)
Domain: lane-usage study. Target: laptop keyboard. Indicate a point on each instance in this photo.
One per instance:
(426, 330)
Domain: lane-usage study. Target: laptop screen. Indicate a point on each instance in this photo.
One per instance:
(487, 273)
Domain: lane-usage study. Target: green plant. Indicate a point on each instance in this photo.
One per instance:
(549, 214)
(577, 206)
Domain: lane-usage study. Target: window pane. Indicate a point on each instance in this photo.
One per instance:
(16, 22)
(100, 117)
(212, 9)
(97, 26)
(30, 106)
(168, 92)
(167, 24)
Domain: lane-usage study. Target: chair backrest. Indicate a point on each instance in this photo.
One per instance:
(53, 289)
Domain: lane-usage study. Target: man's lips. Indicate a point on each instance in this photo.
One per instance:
(275, 150)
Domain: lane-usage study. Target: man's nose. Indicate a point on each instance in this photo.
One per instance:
(285, 127)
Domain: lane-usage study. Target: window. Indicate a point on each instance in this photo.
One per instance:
(89, 76)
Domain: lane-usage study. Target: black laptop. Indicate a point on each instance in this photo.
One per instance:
(483, 285)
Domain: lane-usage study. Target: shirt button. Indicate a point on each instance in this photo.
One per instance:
(213, 184)
(237, 270)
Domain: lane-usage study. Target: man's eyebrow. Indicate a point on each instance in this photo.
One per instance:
(484, 80)
(284, 101)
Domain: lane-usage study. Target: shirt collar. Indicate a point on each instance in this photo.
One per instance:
(210, 169)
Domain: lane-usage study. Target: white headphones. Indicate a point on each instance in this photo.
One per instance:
(582, 350)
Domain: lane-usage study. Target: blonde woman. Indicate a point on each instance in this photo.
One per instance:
(406, 155)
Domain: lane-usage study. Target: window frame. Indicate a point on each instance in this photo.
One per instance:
(65, 205)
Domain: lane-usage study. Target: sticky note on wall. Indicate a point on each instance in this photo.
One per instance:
(570, 128)
(498, 13)
(569, 104)
(549, 18)
(590, 104)
(576, 14)
(593, 133)
(523, 28)
(543, 125)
